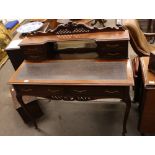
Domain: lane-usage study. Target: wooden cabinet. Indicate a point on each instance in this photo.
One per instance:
(147, 105)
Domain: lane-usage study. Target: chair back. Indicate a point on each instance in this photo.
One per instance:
(138, 40)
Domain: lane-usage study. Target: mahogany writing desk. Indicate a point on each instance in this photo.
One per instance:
(80, 80)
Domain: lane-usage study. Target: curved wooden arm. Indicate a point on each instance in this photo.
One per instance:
(136, 48)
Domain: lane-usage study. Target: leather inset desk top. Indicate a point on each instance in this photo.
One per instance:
(79, 72)
(74, 70)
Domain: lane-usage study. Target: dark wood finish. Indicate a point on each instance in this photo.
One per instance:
(60, 92)
(112, 46)
(14, 52)
(34, 109)
(97, 36)
(26, 109)
(80, 80)
(137, 79)
(147, 106)
(16, 57)
(151, 65)
(109, 45)
(38, 52)
(95, 80)
(50, 51)
(104, 50)
(31, 103)
(112, 49)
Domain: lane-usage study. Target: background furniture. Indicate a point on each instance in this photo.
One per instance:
(147, 102)
(138, 39)
(148, 25)
(141, 47)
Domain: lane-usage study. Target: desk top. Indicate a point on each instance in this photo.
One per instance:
(148, 77)
(74, 72)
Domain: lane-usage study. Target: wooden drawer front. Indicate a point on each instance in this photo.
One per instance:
(147, 117)
(40, 91)
(34, 52)
(70, 92)
(113, 49)
(90, 91)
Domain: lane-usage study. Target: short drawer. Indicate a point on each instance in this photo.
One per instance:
(34, 52)
(113, 49)
(94, 91)
(62, 92)
(39, 90)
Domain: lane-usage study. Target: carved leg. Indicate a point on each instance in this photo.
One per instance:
(127, 100)
(21, 102)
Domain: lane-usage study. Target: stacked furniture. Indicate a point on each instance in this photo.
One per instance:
(47, 71)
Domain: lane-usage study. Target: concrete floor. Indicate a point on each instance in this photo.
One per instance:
(65, 118)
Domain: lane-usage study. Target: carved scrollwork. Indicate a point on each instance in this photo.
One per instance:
(74, 28)
(72, 98)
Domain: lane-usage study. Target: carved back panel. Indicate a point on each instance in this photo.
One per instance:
(74, 28)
